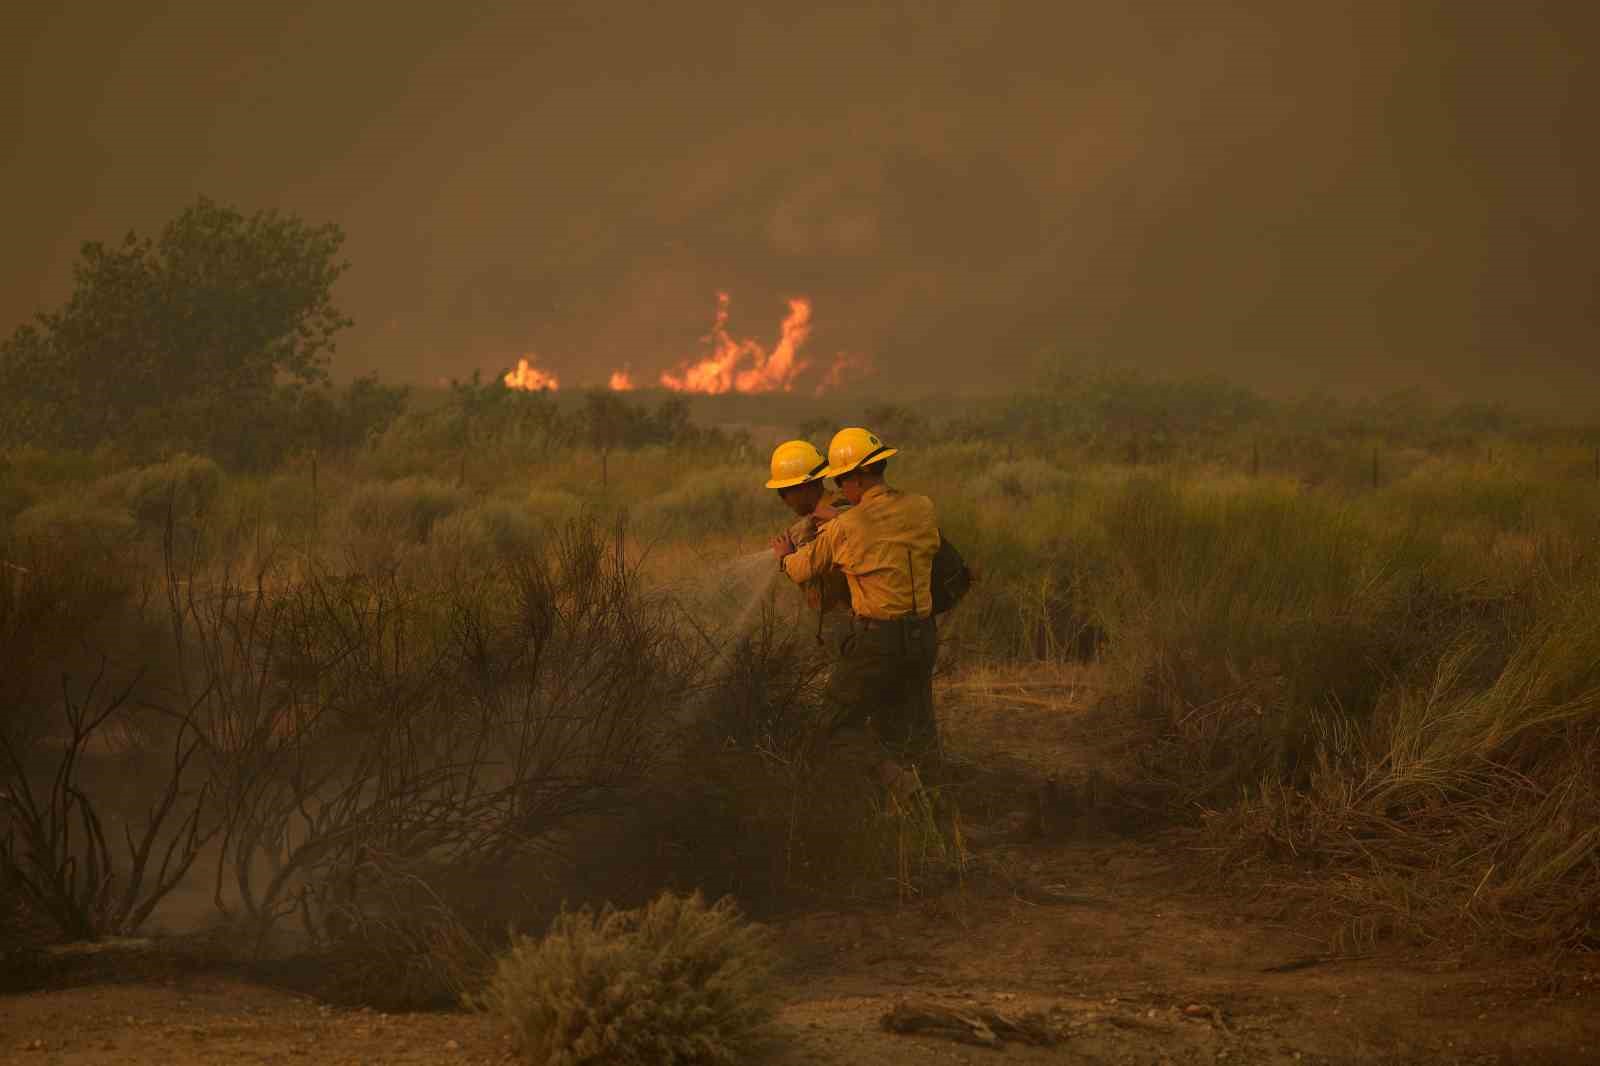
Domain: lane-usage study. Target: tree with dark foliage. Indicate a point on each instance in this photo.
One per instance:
(181, 341)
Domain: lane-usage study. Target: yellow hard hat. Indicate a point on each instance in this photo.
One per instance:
(795, 462)
(854, 447)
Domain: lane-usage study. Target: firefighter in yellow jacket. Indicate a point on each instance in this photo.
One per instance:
(884, 545)
(797, 475)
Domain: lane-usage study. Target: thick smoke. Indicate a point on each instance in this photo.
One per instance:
(1307, 195)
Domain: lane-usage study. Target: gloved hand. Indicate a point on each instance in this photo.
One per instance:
(803, 530)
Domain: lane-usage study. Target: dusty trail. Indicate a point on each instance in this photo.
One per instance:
(1132, 958)
(1114, 977)
(1160, 973)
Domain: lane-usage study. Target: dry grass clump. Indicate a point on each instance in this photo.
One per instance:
(1467, 808)
(675, 982)
(405, 509)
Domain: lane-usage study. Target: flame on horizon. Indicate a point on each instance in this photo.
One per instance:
(734, 365)
(744, 365)
(530, 378)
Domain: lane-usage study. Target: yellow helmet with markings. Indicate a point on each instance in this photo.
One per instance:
(854, 447)
(795, 462)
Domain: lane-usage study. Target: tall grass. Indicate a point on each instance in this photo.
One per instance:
(1468, 808)
(1357, 685)
(1395, 687)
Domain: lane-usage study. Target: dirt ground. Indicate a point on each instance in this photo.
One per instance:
(1124, 953)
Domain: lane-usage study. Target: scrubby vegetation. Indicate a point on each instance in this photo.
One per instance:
(677, 982)
(357, 664)
(1357, 640)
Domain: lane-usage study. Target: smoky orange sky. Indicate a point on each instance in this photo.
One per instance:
(1301, 194)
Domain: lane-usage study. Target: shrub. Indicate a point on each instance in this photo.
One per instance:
(286, 502)
(187, 484)
(729, 500)
(404, 509)
(50, 471)
(1022, 479)
(495, 529)
(86, 887)
(392, 698)
(76, 525)
(554, 505)
(401, 948)
(676, 982)
(63, 605)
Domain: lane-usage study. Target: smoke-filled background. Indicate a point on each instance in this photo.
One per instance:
(1336, 195)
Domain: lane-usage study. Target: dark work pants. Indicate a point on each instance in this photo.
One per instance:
(883, 683)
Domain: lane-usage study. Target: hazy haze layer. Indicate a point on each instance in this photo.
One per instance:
(1306, 194)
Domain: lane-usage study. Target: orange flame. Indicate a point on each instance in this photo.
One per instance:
(530, 378)
(744, 365)
(621, 381)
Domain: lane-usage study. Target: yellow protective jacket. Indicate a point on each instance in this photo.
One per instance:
(884, 546)
(828, 590)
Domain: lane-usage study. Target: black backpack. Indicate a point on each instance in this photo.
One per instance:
(951, 578)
